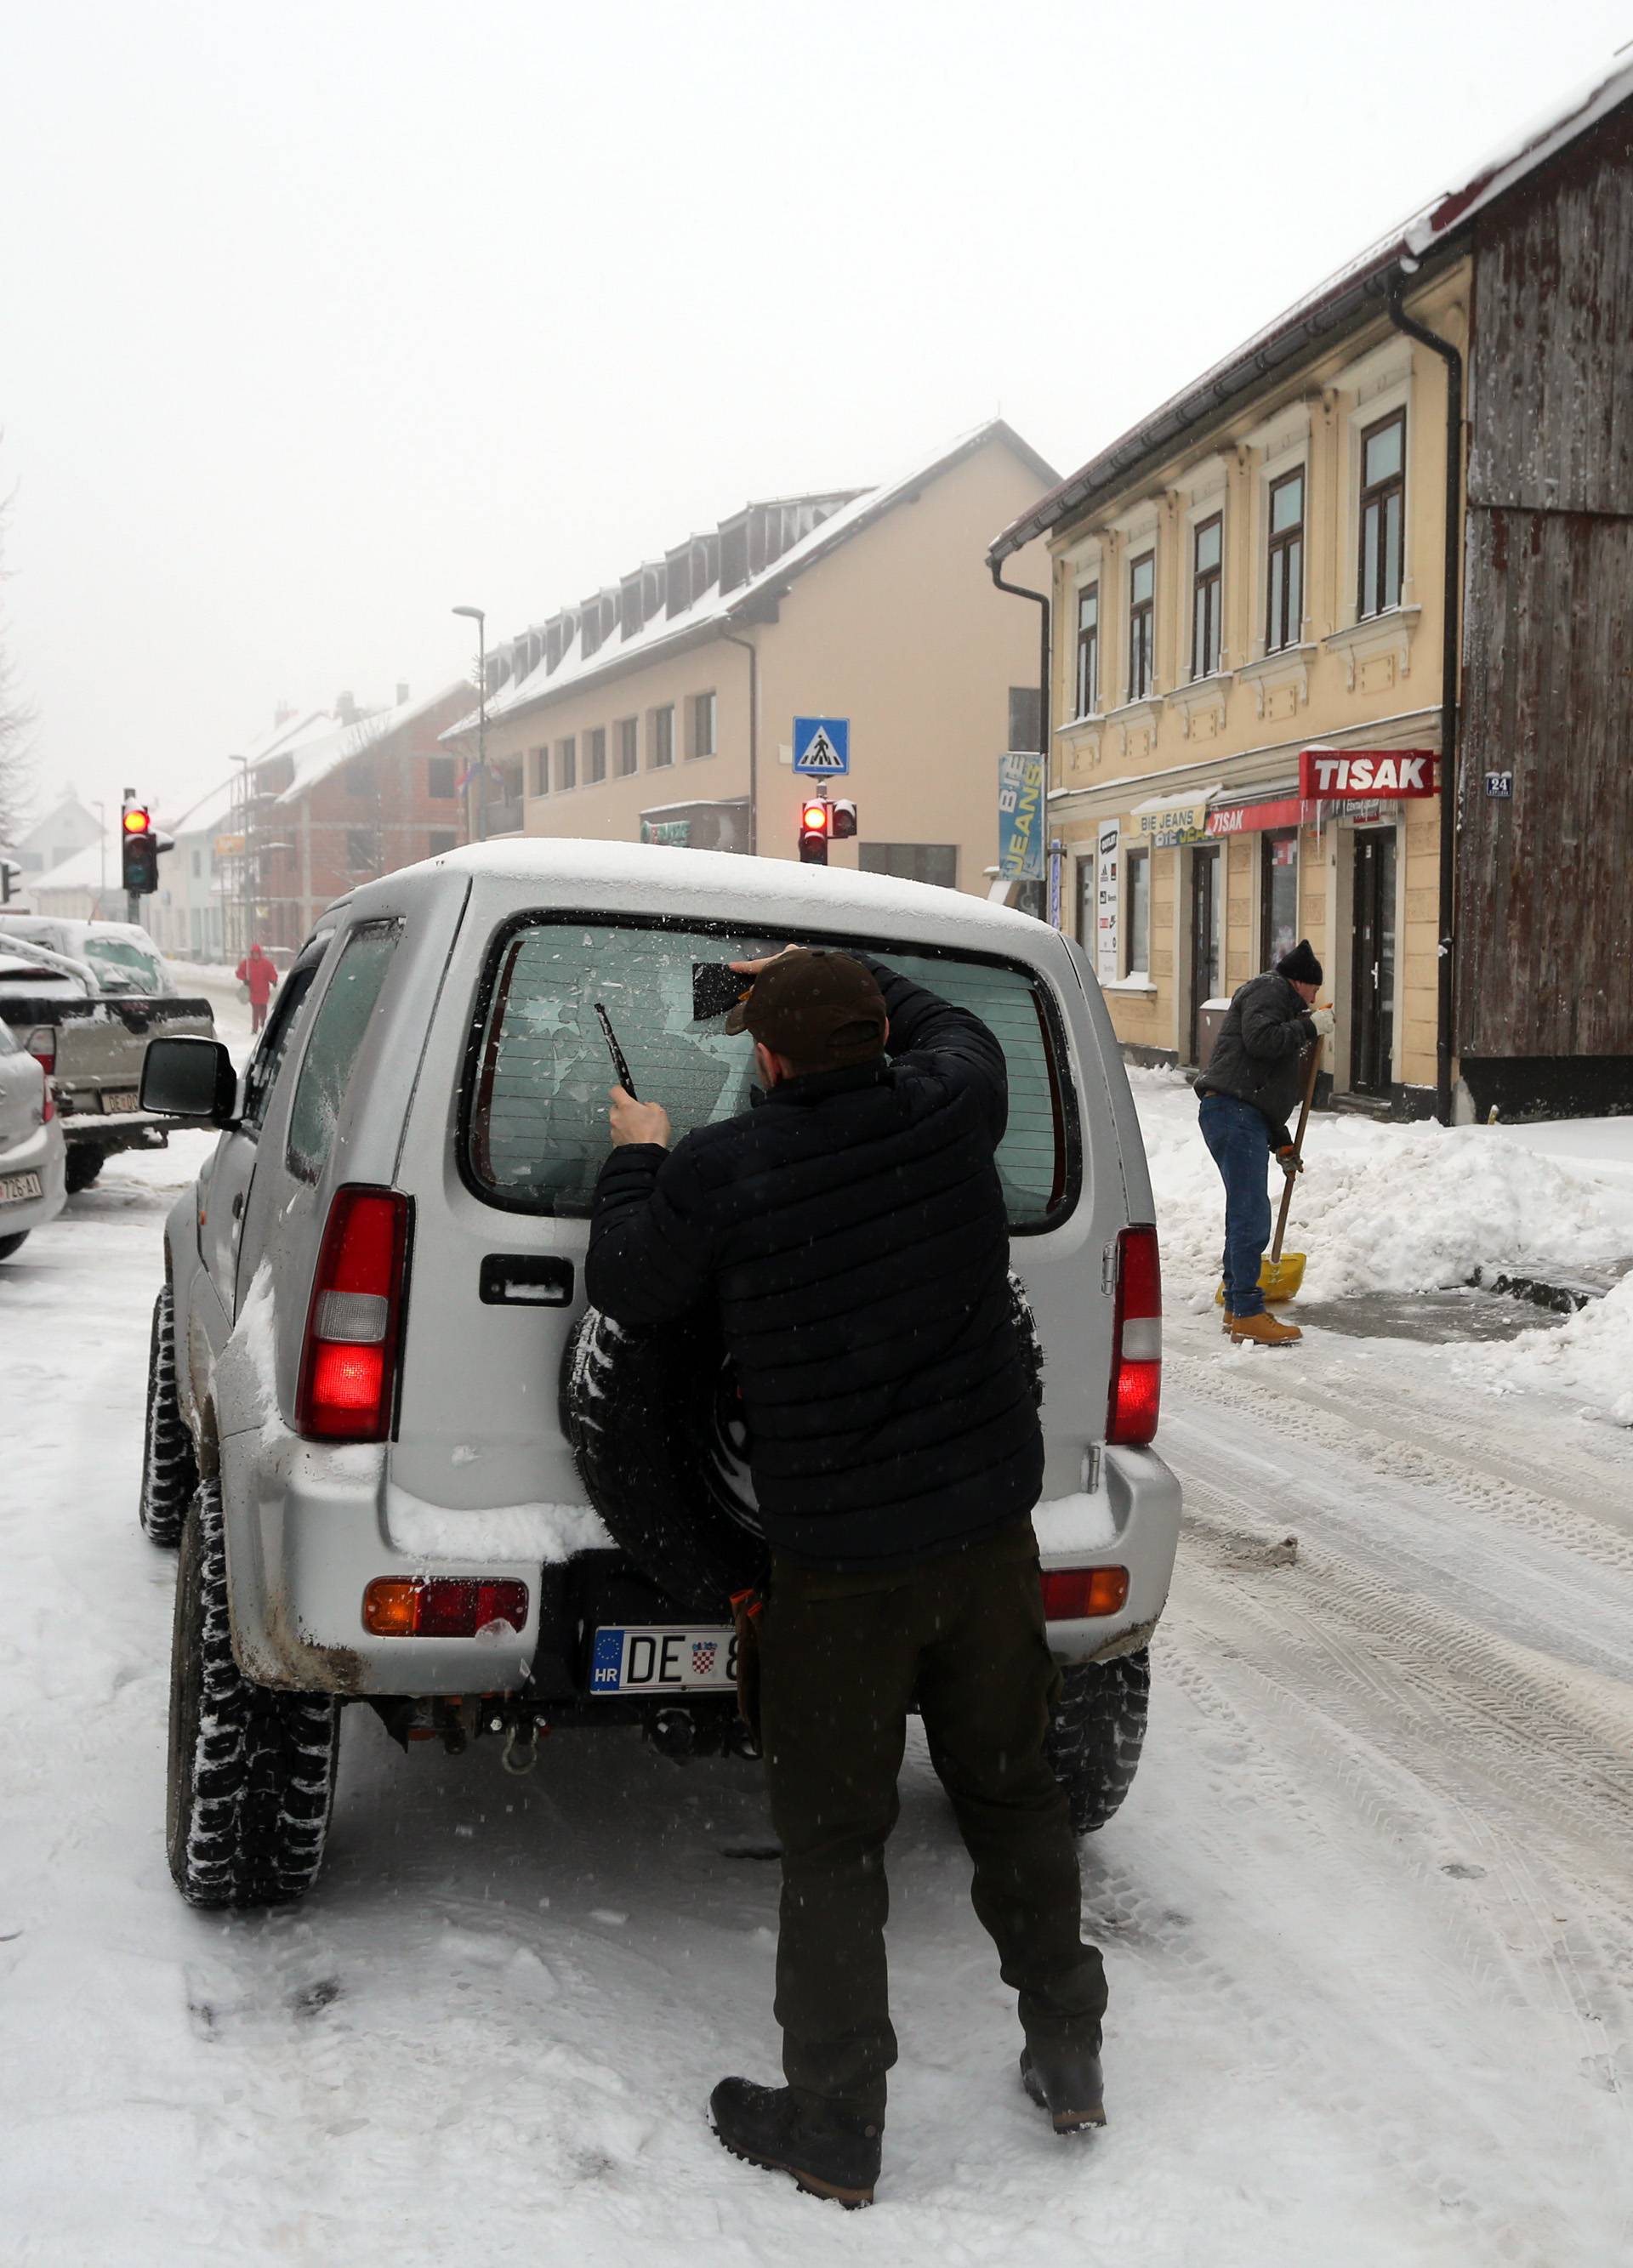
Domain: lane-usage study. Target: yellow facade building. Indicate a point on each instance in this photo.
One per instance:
(1256, 574)
(663, 708)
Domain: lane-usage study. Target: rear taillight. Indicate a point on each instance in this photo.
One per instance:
(1136, 1340)
(48, 1108)
(450, 1607)
(42, 1046)
(1076, 1595)
(348, 1362)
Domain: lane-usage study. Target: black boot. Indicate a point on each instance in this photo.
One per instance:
(1066, 2082)
(828, 2155)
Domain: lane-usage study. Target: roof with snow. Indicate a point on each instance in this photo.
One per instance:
(85, 870)
(1361, 283)
(712, 582)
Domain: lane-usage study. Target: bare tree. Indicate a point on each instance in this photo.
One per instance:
(15, 724)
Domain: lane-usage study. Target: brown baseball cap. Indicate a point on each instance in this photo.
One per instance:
(821, 1009)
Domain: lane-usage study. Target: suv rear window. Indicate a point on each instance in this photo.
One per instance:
(536, 1122)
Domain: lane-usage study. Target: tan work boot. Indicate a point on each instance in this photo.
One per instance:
(1262, 1330)
(1228, 1320)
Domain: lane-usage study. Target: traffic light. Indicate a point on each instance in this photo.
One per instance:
(139, 847)
(816, 826)
(10, 875)
(844, 820)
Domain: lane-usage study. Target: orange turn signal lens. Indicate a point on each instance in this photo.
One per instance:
(388, 1608)
(1073, 1594)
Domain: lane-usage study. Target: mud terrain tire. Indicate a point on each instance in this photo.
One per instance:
(1098, 1734)
(169, 1473)
(251, 1772)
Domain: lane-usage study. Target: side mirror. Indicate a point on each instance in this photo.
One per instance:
(190, 1079)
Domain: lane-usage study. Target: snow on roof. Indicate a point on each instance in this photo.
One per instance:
(208, 814)
(324, 751)
(713, 607)
(771, 896)
(1416, 239)
(85, 870)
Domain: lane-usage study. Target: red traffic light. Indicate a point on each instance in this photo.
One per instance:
(815, 818)
(137, 818)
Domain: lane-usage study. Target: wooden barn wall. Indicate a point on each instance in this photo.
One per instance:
(1545, 911)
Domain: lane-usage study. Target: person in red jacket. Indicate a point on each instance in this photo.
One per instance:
(257, 974)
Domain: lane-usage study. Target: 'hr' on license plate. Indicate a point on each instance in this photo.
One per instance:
(14, 1188)
(663, 1660)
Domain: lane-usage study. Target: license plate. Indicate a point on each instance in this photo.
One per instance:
(127, 1099)
(668, 1661)
(15, 1188)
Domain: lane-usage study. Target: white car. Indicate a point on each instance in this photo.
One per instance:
(33, 1187)
(123, 955)
(408, 1467)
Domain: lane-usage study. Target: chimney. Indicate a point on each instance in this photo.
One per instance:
(402, 695)
(345, 709)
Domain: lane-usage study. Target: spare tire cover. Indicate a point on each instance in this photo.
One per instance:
(654, 1422)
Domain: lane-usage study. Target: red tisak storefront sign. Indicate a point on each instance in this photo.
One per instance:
(1256, 818)
(1345, 774)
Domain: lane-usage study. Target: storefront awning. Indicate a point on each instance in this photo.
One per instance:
(1164, 820)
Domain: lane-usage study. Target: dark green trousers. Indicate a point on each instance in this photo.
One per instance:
(841, 1657)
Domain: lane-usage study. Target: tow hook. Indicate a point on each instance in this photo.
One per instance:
(522, 1750)
(673, 1734)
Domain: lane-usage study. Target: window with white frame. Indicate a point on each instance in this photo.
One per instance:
(1141, 624)
(1137, 914)
(1088, 650)
(702, 716)
(628, 730)
(595, 755)
(1284, 578)
(540, 769)
(660, 743)
(1206, 579)
(1383, 515)
(567, 762)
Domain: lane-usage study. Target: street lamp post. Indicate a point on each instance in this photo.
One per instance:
(243, 857)
(476, 615)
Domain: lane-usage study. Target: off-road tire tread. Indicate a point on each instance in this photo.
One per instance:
(252, 1771)
(1097, 1732)
(169, 1469)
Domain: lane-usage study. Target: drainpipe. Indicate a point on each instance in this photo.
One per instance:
(753, 652)
(1451, 640)
(1039, 598)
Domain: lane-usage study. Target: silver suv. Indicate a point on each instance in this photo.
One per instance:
(407, 1467)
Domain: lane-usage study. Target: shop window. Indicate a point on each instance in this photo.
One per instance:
(1025, 718)
(595, 756)
(1142, 610)
(439, 780)
(702, 711)
(1137, 915)
(913, 862)
(1383, 514)
(1206, 568)
(1278, 895)
(567, 762)
(1088, 650)
(1284, 608)
(662, 738)
(628, 731)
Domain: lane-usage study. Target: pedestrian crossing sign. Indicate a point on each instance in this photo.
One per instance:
(822, 745)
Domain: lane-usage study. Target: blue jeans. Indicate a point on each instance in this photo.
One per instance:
(1239, 1137)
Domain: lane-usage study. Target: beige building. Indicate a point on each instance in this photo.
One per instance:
(663, 706)
(1253, 573)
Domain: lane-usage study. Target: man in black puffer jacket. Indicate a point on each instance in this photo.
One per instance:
(852, 1233)
(1254, 1077)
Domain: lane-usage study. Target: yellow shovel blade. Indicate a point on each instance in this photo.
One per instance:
(1278, 1280)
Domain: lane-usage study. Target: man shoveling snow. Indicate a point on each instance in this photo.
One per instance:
(1254, 1079)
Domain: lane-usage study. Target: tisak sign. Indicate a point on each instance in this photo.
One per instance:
(1345, 776)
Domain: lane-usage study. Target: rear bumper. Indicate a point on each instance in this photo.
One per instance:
(38, 1152)
(84, 1126)
(1130, 1519)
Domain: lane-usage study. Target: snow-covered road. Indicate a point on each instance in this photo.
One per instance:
(1368, 1915)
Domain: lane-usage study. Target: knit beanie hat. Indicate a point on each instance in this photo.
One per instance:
(1300, 966)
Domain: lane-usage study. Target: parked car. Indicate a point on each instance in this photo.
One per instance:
(88, 1035)
(408, 1467)
(31, 1168)
(123, 955)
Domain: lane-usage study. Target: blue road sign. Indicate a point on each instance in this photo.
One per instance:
(822, 745)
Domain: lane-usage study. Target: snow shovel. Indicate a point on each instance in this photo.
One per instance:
(1281, 1273)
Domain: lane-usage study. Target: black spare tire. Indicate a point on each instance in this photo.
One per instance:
(654, 1421)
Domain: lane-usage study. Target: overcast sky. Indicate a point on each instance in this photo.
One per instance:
(317, 320)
